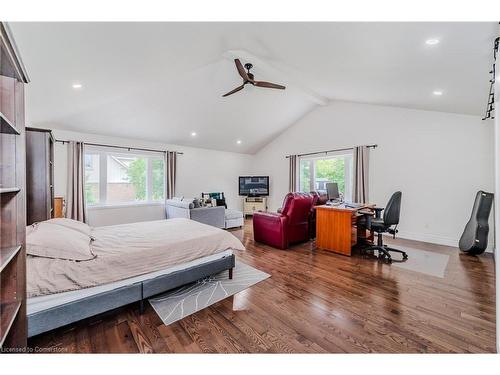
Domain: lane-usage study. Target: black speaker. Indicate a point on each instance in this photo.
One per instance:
(474, 240)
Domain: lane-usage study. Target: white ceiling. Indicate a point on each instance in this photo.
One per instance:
(161, 81)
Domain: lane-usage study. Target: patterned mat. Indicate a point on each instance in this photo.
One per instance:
(186, 300)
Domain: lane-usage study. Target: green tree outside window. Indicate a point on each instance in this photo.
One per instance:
(158, 179)
(137, 176)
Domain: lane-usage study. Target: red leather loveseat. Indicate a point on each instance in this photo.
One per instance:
(290, 225)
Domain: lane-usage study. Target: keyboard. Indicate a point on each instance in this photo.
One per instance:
(354, 205)
(333, 203)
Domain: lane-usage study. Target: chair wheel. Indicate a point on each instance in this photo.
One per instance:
(389, 260)
(405, 256)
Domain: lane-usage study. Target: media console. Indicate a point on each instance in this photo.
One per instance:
(253, 204)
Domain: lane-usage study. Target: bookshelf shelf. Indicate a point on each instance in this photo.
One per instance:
(7, 254)
(6, 127)
(10, 190)
(8, 313)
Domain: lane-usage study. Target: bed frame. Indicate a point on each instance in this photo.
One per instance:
(58, 316)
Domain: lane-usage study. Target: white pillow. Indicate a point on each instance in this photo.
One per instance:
(58, 242)
(71, 224)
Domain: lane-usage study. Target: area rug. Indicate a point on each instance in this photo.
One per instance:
(186, 300)
(427, 262)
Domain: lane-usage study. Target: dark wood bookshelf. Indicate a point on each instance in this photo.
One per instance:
(13, 323)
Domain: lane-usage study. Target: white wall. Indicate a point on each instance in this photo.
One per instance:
(198, 170)
(438, 160)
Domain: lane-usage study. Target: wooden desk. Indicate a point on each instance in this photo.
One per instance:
(336, 228)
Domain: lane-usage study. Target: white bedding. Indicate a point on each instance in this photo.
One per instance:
(129, 250)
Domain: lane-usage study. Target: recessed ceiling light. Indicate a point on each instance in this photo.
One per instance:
(238, 141)
(193, 134)
(432, 42)
(437, 92)
(77, 85)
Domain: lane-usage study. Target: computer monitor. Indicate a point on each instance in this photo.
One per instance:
(332, 189)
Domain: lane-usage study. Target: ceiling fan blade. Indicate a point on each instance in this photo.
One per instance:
(268, 85)
(233, 91)
(241, 70)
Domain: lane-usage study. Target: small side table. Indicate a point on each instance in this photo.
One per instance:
(58, 207)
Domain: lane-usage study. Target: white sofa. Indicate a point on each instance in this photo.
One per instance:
(216, 216)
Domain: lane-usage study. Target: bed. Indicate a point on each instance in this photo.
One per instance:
(75, 271)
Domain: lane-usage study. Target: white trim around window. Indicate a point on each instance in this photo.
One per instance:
(124, 205)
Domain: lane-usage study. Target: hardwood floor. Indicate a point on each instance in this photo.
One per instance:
(314, 302)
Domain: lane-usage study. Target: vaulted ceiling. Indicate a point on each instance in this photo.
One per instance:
(163, 81)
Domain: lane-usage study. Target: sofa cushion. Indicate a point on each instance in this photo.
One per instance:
(209, 215)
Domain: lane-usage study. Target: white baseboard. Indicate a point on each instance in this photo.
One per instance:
(432, 238)
(427, 237)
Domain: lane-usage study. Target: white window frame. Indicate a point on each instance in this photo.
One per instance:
(348, 176)
(103, 153)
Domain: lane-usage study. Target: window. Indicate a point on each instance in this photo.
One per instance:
(316, 172)
(113, 178)
(92, 178)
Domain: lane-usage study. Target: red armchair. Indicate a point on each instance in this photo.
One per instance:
(289, 226)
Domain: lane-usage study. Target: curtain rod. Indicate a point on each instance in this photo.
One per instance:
(122, 147)
(326, 152)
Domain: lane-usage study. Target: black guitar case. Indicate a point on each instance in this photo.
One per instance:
(474, 240)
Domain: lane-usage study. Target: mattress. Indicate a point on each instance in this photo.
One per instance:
(126, 251)
(40, 303)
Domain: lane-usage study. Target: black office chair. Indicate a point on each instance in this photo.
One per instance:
(386, 224)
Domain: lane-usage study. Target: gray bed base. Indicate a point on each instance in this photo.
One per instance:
(58, 316)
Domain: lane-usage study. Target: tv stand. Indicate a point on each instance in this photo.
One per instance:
(253, 204)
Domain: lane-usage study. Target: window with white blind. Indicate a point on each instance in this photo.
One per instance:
(118, 178)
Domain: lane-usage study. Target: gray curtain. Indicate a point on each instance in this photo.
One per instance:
(361, 175)
(75, 194)
(292, 173)
(170, 173)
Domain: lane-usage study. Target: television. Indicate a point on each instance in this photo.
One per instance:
(253, 186)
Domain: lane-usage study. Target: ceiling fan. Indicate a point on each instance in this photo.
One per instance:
(249, 78)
